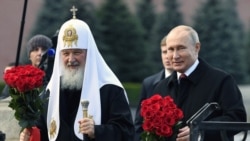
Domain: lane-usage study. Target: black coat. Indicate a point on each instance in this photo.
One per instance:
(148, 85)
(116, 118)
(207, 84)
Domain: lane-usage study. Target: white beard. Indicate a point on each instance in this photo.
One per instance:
(72, 79)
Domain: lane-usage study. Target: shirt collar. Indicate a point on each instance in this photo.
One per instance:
(167, 73)
(190, 69)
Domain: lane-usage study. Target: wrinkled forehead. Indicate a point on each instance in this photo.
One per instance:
(181, 38)
(73, 34)
(178, 34)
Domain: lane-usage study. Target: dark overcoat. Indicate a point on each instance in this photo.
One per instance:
(206, 84)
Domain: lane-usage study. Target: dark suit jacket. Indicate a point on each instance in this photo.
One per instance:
(148, 85)
(207, 84)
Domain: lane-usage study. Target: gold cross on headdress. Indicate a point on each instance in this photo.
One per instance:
(73, 10)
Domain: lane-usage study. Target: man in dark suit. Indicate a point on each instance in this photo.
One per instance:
(148, 85)
(205, 84)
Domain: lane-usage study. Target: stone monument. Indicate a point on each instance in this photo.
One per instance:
(8, 124)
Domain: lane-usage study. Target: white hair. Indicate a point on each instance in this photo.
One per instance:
(72, 79)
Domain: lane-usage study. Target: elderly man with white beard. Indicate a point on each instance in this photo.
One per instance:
(79, 73)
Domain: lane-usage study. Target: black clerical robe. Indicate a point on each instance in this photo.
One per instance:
(116, 118)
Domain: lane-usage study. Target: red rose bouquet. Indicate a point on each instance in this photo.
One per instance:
(162, 118)
(25, 83)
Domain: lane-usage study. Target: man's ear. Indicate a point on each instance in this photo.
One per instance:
(197, 47)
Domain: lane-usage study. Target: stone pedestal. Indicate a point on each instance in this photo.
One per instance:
(8, 124)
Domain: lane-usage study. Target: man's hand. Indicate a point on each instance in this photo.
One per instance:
(183, 134)
(86, 126)
(25, 135)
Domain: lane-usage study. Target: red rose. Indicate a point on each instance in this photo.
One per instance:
(24, 78)
(166, 130)
(160, 115)
(24, 83)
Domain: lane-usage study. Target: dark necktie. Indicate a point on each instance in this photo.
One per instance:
(182, 89)
(182, 76)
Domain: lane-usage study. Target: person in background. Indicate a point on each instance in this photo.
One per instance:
(148, 85)
(36, 47)
(204, 84)
(80, 72)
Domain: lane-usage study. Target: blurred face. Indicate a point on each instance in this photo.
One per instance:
(36, 55)
(166, 63)
(182, 51)
(73, 59)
